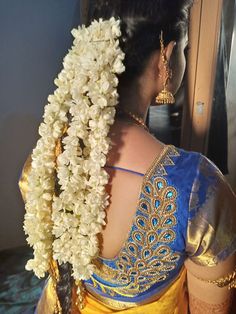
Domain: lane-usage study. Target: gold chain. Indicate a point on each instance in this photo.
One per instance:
(228, 280)
(136, 118)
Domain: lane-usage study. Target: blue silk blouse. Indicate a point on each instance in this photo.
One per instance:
(185, 210)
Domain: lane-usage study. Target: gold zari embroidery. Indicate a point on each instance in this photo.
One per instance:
(147, 259)
(211, 229)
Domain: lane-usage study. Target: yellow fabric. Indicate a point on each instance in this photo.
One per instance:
(47, 302)
(173, 301)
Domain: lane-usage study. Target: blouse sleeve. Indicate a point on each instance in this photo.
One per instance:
(211, 231)
(23, 181)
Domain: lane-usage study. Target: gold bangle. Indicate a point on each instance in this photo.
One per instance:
(228, 280)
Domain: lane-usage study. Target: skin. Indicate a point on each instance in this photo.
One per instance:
(206, 297)
(134, 148)
(138, 96)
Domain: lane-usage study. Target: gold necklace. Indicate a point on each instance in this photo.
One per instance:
(136, 118)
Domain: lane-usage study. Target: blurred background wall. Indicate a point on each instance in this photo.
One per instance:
(34, 37)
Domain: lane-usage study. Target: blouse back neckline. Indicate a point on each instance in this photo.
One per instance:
(157, 161)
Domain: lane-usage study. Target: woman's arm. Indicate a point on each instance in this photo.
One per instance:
(206, 297)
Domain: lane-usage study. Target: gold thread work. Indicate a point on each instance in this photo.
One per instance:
(148, 258)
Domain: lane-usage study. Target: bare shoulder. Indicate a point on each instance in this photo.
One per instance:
(133, 147)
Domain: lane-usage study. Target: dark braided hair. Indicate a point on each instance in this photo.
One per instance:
(141, 24)
(64, 287)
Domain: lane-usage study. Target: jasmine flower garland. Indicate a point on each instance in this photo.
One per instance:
(65, 227)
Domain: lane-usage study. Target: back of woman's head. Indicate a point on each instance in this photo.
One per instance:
(141, 24)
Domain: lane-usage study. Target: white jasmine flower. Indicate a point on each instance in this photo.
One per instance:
(64, 224)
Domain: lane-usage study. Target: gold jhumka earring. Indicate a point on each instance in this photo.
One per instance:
(165, 96)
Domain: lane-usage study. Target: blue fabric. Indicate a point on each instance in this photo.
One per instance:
(212, 216)
(183, 196)
(127, 170)
(177, 169)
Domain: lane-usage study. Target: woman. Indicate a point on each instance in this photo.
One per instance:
(166, 239)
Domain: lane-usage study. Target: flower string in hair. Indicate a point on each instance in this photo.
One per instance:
(64, 226)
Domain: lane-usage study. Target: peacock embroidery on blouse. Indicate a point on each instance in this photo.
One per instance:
(146, 257)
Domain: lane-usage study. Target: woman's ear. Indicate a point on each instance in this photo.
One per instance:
(169, 50)
(167, 53)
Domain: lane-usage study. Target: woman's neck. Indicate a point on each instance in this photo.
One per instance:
(136, 98)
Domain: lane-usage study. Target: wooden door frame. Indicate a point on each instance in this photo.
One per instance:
(84, 10)
(204, 34)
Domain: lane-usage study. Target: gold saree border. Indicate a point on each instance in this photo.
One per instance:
(48, 300)
(212, 229)
(173, 301)
(121, 305)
